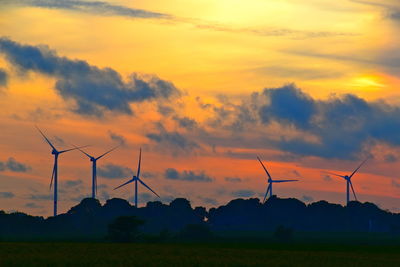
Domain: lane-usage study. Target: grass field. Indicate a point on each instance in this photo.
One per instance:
(113, 254)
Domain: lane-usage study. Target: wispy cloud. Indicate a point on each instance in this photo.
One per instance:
(107, 9)
(94, 7)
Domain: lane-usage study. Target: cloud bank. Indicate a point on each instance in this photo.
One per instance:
(92, 90)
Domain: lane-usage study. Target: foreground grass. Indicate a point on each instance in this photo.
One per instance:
(113, 254)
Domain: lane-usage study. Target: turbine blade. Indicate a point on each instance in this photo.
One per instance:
(269, 176)
(331, 173)
(284, 181)
(148, 187)
(130, 181)
(140, 159)
(66, 150)
(52, 175)
(362, 163)
(109, 151)
(352, 189)
(266, 193)
(45, 138)
(79, 148)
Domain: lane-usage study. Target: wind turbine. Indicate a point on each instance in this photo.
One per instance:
(270, 181)
(136, 179)
(348, 182)
(94, 168)
(54, 175)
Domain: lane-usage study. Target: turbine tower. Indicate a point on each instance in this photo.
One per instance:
(54, 175)
(94, 168)
(270, 181)
(348, 182)
(136, 179)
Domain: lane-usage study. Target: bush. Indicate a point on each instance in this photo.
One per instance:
(124, 229)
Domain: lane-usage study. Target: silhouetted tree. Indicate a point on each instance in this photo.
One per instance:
(124, 229)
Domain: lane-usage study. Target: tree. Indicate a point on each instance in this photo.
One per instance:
(124, 229)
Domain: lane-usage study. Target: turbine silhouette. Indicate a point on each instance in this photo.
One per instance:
(54, 175)
(136, 179)
(348, 182)
(270, 181)
(94, 167)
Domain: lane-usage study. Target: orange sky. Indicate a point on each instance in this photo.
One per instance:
(216, 55)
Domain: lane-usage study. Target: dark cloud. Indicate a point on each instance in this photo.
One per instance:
(92, 90)
(339, 127)
(185, 122)
(288, 105)
(7, 195)
(210, 201)
(390, 158)
(243, 193)
(117, 138)
(172, 140)
(12, 165)
(296, 173)
(3, 78)
(395, 184)
(327, 178)
(148, 174)
(190, 176)
(307, 198)
(73, 183)
(94, 7)
(32, 205)
(233, 179)
(41, 197)
(113, 171)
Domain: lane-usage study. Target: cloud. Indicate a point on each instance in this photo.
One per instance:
(307, 198)
(243, 193)
(106, 9)
(185, 175)
(73, 183)
(185, 122)
(327, 178)
(395, 184)
(117, 138)
(287, 105)
(172, 140)
(93, 7)
(113, 171)
(32, 205)
(3, 78)
(310, 127)
(7, 195)
(233, 179)
(298, 72)
(41, 197)
(210, 201)
(390, 158)
(92, 90)
(12, 165)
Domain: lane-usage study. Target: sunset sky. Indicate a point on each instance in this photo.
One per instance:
(203, 87)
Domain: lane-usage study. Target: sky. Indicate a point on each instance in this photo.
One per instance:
(203, 87)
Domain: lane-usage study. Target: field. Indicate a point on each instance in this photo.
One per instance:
(213, 254)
